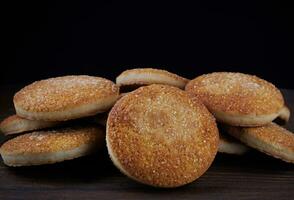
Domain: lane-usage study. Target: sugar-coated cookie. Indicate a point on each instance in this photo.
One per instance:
(238, 99)
(159, 136)
(48, 147)
(65, 98)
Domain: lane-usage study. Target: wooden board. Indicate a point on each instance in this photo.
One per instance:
(253, 176)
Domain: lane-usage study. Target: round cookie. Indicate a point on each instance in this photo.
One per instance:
(148, 76)
(65, 98)
(231, 146)
(271, 139)
(238, 99)
(48, 147)
(159, 136)
(15, 124)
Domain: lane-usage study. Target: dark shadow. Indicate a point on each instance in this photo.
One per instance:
(253, 161)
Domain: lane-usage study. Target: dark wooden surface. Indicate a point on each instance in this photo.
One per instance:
(253, 176)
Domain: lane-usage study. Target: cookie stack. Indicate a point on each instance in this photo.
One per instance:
(246, 106)
(161, 129)
(57, 104)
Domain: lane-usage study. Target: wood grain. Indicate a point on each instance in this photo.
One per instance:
(253, 176)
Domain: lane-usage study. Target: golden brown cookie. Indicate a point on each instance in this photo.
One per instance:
(148, 76)
(48, 147)
(15, 124)
(238, 99)
(65, 98)
(158, 136)
(271, 139)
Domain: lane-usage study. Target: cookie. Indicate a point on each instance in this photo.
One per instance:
(15, 124)
(238, 99)
(271, 139)
(48, 147)
(158, 136)
(65, 98)
(134, 78)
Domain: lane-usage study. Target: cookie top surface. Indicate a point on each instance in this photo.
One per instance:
(147, 76)
(236, 93)
(159, 136)
(52, 141)
(58, 94)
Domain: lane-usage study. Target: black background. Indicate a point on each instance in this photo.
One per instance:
(52, 38)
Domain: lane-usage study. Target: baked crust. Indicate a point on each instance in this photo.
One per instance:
(241, 98)
(46, 147)
(158, 136)
(65, 98)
